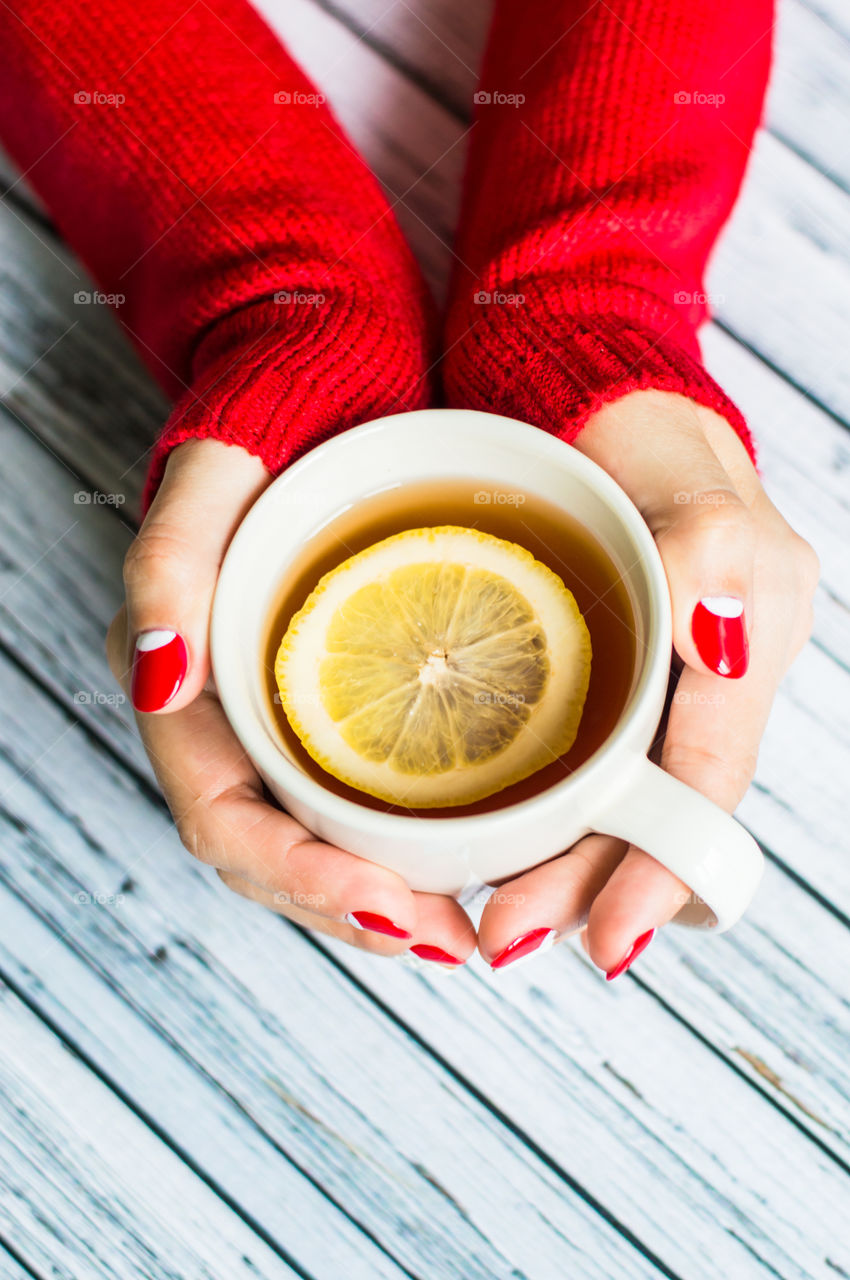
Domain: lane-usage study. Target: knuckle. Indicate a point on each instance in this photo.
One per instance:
(733, 769)
(249, 842)
(807, 563)
(291, 877)
(189, 837)
(156, 552)
(723, 515)
(193, 840)
(710, 516)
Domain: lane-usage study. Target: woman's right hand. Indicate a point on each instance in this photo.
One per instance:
(213, 791)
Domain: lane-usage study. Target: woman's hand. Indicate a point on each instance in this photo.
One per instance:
(158, 649)
(724, 546)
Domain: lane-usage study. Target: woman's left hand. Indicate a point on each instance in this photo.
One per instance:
(727, 551)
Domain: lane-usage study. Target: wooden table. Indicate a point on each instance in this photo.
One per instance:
(191, 1087)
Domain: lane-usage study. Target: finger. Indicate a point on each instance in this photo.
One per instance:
(707, 543)
(450, 932)
(216, 798)
(640, 897)
(704, 530)
(171, 570)
(282, 904)
(713, 731)
(444, 933)
(526, 915)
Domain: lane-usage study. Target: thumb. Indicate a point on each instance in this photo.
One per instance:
(171, 569)
(707, 540)
(653, 444)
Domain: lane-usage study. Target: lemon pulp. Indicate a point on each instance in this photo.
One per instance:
(436, 667)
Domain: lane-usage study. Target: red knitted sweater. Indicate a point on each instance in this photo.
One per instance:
(199, 175)
(609, 146)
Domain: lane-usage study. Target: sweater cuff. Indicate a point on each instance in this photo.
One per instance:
(279, 378)
(554, 370)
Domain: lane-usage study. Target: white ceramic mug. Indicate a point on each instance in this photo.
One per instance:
(617, 791)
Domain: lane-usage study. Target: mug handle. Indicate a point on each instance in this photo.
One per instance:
(690, 835)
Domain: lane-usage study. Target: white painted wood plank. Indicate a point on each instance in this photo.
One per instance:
(799, 804)
(562, 1012)
(348, 1096)
(11, 1269)
(437, 42)
(698, 1160)
(164, 1086)
(87, 1190)
(809, 100)
(781, 277)
(66, 369)
(757, 991)
(60, 629)
(835, 12)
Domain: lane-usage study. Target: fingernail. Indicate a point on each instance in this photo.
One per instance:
(377, 924)
(425, 951)
(160, 659)
(526, 945)
(720, 635)
(640, 944)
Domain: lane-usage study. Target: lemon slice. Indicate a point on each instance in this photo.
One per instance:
(436, 667)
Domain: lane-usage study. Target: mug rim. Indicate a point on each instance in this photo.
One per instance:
(255, 739)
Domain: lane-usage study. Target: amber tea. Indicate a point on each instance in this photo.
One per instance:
(550, 534)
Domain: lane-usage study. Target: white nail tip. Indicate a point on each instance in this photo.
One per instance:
(351, 920)
(154, 640)
(547, 942)
(723, 606)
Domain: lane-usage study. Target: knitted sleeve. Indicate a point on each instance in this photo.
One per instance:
(609, 144)
(202, 179)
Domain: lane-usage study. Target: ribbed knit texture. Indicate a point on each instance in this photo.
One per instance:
(604, 160)
(217, 185)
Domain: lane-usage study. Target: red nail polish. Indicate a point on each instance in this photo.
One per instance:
(525, 945)
(640, 944)
(160, 660)
(426, 951)
(720, 635)
(377, 924)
